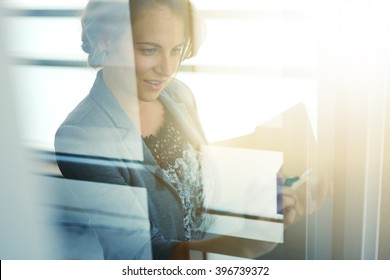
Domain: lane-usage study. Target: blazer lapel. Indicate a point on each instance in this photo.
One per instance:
(135, 149)
(184, 119)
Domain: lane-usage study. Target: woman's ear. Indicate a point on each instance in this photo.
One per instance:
(104, 46)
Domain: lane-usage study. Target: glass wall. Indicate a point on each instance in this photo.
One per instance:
(290, 88)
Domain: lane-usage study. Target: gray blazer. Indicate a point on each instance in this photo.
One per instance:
(98, 142)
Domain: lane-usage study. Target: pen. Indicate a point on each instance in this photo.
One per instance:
(289, 181)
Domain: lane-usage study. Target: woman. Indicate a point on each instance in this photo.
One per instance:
(143, 128)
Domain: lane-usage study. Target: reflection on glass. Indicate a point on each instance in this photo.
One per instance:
(139, 126)
(141, 181)
(89, 217)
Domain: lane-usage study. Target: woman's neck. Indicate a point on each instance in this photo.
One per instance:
(151, 117)
(149, 114)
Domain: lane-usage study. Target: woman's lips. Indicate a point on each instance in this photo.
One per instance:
(154, 84)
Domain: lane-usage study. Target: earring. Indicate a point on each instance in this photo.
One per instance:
(103, 57)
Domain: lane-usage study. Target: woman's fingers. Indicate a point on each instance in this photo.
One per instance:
(288, 201)
(306, 198)
(292, 208)
(290, 215)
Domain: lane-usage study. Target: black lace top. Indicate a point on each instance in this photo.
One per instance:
(182, 165)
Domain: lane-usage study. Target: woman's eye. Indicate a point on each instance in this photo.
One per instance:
(149, 51)
(177, 51)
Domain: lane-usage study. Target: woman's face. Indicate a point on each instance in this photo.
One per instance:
(158, 38)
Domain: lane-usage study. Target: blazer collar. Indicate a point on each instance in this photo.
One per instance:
(103, 96)
(184, 117)
(136, 148)
(178, 109)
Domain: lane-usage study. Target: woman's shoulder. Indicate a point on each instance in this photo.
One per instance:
(95, 107)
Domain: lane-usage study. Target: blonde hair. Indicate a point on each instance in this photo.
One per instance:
(108, 20)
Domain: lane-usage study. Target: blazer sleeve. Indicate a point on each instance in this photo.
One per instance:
(83, 154)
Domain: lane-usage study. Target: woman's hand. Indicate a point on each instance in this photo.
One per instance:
(305, 197)
(293, 209)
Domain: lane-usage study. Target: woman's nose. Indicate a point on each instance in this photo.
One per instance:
(166, 66)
